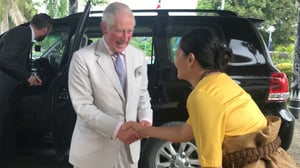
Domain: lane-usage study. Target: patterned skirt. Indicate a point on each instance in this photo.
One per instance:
(257, 150)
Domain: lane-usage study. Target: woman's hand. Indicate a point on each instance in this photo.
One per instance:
(138, 127)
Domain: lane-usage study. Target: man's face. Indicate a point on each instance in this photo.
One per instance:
(41, 38)
(44, 33)
(118, 36)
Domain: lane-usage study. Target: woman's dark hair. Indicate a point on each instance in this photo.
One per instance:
(209, 51)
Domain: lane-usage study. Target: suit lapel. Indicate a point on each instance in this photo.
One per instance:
(106, 64)
(129, 71)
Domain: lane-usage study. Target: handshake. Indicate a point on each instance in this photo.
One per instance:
(132, 131)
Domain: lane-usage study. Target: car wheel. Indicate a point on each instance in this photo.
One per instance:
(163, 154)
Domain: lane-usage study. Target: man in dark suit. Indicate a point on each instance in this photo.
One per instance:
(15, 47)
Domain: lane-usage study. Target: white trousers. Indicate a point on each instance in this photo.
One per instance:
(124, 160)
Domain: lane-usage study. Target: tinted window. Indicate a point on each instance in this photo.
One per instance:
(142, 39)
(53, 47)
(144, 43)
(245, 53)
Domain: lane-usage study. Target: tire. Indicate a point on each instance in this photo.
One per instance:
(163, 154)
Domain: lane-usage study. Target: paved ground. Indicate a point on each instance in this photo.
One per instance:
(294, 149)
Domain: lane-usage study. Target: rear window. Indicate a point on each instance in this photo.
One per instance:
(245, 53)
(243, 43)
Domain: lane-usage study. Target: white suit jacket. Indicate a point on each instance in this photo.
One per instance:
(100, 104)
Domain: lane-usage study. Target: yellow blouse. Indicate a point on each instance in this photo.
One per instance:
(219, 107)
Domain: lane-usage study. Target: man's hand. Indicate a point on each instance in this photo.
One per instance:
(34, 81)
(128, 135)
(138, 127)
(145, 123)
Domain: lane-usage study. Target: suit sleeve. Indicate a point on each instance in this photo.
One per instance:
(82, 96)
(144, 105)
(14, 54)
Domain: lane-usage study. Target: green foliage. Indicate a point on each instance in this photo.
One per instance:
(27, 8)
(287, 68)
(282, 14)
(2, 5)
(208, 4)
(290, 48)
(97, 2)
(57, 8)
(283, 54)
(250, 8)
(281, 57)
(284, 62)
(143, 43)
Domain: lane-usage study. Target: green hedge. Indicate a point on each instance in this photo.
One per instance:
(281, 57)
(287, 68)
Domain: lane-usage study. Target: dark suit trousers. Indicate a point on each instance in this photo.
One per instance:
(7, 87)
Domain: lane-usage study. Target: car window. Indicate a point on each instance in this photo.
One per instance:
(53, 47)
(142, 39)
(245, 53)
(145, 44)
(176, 31)
(174, 42)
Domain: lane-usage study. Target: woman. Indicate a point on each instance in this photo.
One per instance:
(221, 113)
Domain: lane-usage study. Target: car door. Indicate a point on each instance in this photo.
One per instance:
(65, 116)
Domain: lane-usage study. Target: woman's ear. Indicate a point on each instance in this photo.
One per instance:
(191, 58)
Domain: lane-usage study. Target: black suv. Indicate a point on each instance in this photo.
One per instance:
(46, 112)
